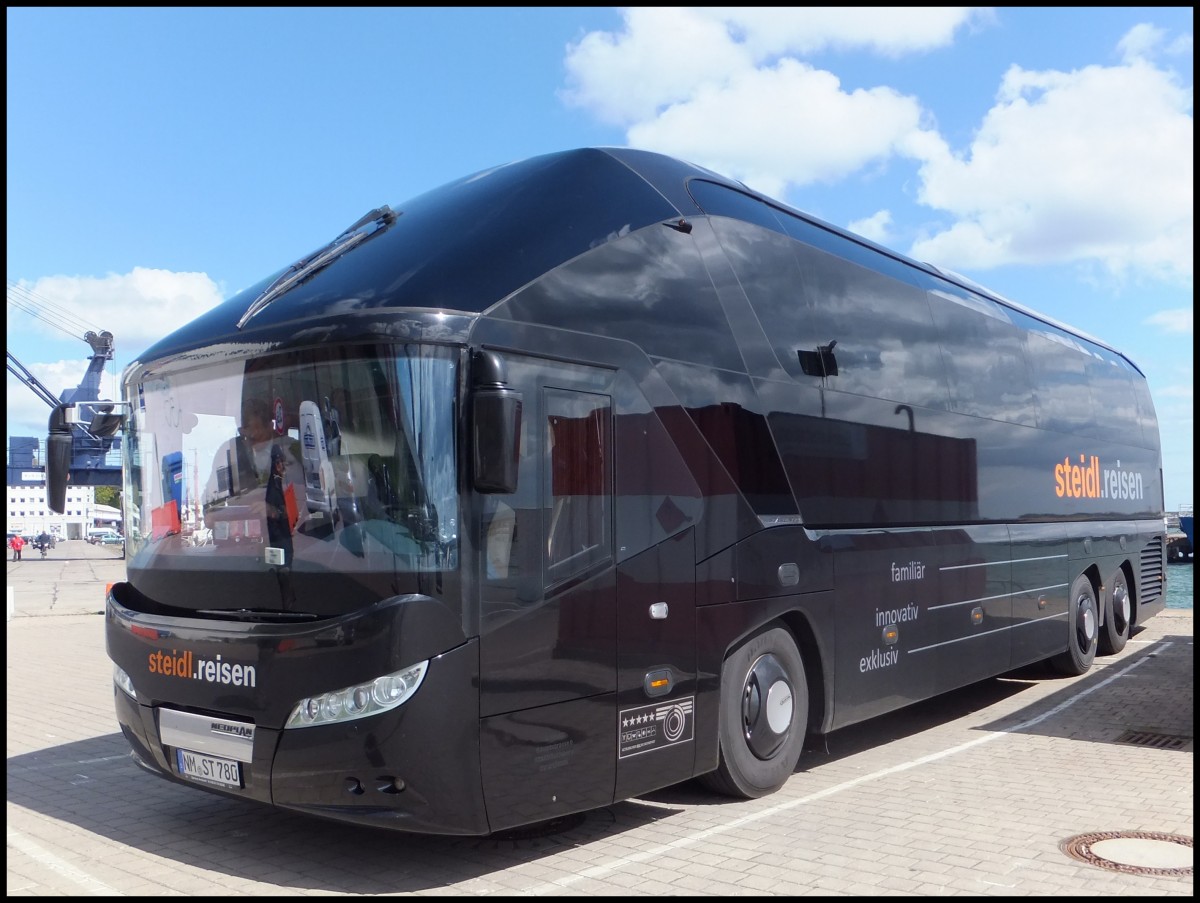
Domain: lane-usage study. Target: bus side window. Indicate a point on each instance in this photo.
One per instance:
(578, 514)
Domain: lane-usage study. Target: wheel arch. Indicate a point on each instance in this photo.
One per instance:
(1103, 588)
(764, 681)
(809, 618)
(1083, 623)
(817, 664)
(820, 684)
(1118, 609)
(1099, 587)
(1131, 585)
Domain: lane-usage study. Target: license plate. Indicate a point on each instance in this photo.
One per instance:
(209, 769)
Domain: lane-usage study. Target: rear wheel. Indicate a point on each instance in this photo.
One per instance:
(1120, 617)
(1083, 624)
(763, 717)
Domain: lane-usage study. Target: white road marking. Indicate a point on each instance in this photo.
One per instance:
(43, 857)
(601, 871)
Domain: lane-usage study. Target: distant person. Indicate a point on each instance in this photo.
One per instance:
(258, 431)
(335, 407)
(247, 458)
(17, 543)
(264, 435)
(279, 521)
(380, 501)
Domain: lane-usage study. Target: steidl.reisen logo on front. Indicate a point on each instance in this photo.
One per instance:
(211, 671)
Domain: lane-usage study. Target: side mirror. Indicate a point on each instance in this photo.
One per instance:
(59, 444)
(495, 426)
(103, 420)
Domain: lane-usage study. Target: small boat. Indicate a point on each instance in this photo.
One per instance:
(1181, 543)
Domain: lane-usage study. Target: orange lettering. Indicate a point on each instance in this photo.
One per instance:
(1088, 479)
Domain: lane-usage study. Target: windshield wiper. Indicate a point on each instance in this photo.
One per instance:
(368, 225)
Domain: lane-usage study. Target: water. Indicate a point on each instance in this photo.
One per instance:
(1179, 585)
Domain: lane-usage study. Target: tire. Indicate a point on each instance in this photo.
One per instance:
(763, 717)
(1117, 625)
(1083, 625)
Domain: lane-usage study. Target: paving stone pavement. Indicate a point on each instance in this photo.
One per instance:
(1030, 785)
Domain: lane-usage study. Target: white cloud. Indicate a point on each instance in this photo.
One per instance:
(1178, 320)
(876, 227)
(1178, 390)
(1140, 42)
(768, 118)
(1090, 167)
(27, 414)
(138, 308)
(664, 55)
(886, 31)
(668, 55)
(672, 73)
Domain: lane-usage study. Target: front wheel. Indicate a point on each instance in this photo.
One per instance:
(1083, 626)
(1120, 617)
(763, 717)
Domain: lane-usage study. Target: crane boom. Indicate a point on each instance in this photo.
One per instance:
(19, 370)
(88, 465)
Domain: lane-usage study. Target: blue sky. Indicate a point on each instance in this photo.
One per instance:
(161, 160)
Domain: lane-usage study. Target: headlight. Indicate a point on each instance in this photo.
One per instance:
(359, 701)
(121, 679)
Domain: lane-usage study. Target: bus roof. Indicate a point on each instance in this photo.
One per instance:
(466, 246)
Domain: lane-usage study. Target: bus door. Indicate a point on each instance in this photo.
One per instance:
(656, 666)
(547, 577)
(658, 507)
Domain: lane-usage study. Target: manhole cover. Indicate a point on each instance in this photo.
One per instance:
(1133, 852)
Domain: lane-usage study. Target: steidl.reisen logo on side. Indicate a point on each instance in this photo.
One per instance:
(1090, 480)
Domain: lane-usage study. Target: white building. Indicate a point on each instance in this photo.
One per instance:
(27, 512)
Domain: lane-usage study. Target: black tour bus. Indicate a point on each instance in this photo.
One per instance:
(592, 473)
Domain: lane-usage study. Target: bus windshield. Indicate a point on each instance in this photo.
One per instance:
(329, 460)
